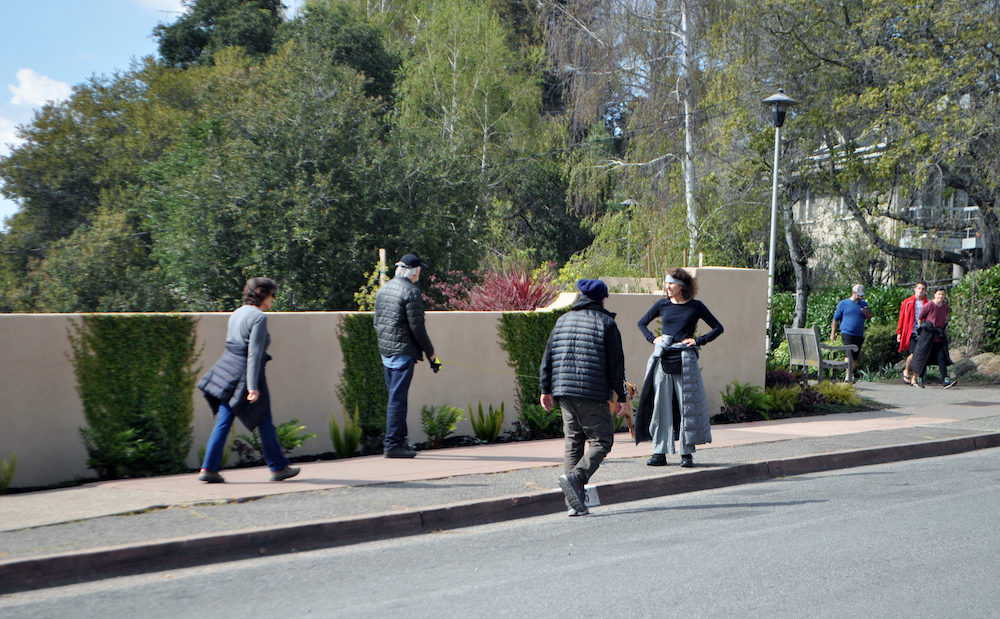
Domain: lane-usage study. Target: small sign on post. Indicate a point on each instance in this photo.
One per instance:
(383, 277)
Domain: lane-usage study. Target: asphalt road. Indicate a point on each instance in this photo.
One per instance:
(912, 539)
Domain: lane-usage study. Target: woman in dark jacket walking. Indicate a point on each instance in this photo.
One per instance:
(672, 404)
(932, 342)
(236, 386)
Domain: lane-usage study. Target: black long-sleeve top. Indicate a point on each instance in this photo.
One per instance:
(680, 321)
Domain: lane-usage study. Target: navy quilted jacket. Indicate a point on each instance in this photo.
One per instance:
(399, 320)
(584, 357)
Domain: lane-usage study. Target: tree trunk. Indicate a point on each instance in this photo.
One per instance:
(689, 183)
(800, 265)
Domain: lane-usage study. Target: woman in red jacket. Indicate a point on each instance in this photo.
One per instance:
(906, 331)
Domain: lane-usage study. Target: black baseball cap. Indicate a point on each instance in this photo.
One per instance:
(411, 260)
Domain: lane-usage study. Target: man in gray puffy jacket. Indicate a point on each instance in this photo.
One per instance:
(402, 341)
(582, 366)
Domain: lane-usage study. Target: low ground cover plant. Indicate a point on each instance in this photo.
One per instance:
(438, 422)
(787, 394)
(290, 437)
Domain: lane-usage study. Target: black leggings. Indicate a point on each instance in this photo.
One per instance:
(942, 360)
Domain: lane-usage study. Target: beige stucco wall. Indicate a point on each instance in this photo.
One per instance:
(41, 413)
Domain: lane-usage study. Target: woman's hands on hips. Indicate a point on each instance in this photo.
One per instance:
(686, 341)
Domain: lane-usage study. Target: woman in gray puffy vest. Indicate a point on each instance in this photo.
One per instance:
(236, 386)
(672, 405)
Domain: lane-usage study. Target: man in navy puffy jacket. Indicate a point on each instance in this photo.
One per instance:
(583, 365)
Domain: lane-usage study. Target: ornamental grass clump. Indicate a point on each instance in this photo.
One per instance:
(346, 443)
(7, 472)
(487, 427)
(843, 394)
(438, 422)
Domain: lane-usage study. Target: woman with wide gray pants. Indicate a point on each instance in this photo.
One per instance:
(672, 405)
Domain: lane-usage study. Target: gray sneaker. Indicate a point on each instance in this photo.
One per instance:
(285, 473)
(948, 383)
(573, 490)
(211, 477)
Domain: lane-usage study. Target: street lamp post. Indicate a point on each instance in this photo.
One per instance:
(779, 102)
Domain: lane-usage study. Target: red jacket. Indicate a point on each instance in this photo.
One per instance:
(907, 314)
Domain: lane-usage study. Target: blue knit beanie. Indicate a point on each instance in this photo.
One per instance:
(593, 288)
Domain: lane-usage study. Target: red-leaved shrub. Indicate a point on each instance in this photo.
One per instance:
(509, 288)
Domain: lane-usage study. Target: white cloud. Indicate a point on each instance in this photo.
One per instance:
(163, 6)
(36, 89)
(8, 136)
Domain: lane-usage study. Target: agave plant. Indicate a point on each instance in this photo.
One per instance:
(487, 427)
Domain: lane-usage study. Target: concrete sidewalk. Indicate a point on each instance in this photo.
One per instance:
(129, 526)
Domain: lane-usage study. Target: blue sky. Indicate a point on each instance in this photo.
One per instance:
(48, 46)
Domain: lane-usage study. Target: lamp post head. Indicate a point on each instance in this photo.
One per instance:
(779, 102)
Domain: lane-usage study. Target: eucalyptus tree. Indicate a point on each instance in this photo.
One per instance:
(636, 67)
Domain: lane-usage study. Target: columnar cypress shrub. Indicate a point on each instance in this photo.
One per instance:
(136, 376)
(523, 336)
(362, 383)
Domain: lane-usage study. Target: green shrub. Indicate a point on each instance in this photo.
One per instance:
(7, 472)
(290, 437)
(883, 302)
(438, 422)
(751, 396)
(487, 427)
(782, 313)
(362, 381)
(135, 375)
(781, 401)
(880, 348)
(346, 443)
(523, 336)
(744, 402)
(541, 422)
(975, 306)
(838, 393)
(779, 357)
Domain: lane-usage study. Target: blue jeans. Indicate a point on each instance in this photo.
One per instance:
(276, 460)
(398, 382)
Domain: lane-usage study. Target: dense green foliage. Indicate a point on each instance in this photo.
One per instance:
(523, 337)
(880, 348)
(975, 312)
(135, 375)
(294, 145)
(362, 382)
(883, 302)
